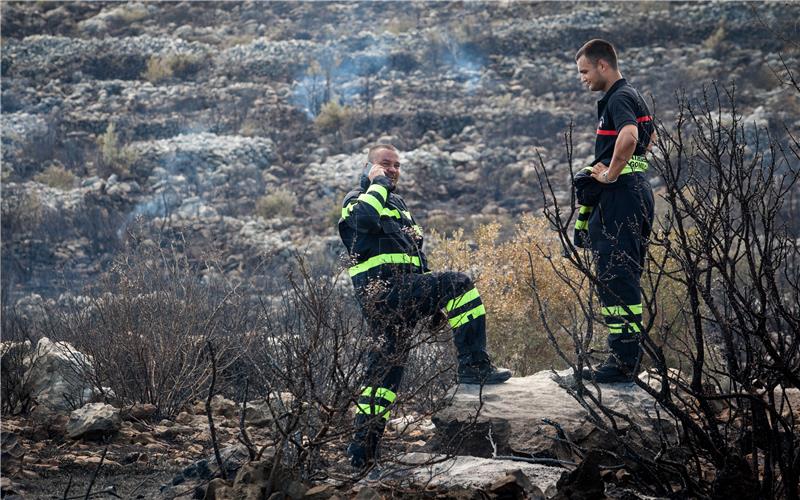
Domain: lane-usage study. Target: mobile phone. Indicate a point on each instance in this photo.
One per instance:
(367, 167)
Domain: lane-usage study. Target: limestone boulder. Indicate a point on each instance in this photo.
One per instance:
(56, 375)
(528, 414)
(476, 472)
(93, 421)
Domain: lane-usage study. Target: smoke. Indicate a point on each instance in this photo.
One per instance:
(352, 71)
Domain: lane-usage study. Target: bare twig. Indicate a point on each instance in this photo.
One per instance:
(96, 471)
(223, 473)
(245, 438)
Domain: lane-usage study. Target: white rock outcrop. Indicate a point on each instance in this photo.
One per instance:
(56, 375)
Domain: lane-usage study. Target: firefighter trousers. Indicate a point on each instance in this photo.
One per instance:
(393, 315)
(619, 229)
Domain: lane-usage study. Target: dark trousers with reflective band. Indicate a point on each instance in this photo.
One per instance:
(618, 231)
(393, 316)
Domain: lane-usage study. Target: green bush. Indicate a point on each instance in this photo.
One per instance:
(56, 176)
(279, 203)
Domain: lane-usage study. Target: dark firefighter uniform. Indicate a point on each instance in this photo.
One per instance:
(396, 289)
(615, 221)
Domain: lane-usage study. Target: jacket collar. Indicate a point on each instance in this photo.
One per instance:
(619, 83)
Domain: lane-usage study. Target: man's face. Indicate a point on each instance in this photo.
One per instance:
(390, 162)
(591, 74)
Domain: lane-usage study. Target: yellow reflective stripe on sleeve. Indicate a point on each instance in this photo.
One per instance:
(380, 392)
(467, 316)
(396, 213)
(581, 224)
(346, 211)
(462, 299)
(386, 258)
(367, 409)
(390, 212)
(370, 200)
(377, 188)
(621, 310)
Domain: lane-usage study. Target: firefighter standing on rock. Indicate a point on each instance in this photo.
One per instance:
(616, 215)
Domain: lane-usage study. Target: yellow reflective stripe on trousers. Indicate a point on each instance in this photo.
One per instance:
(462, 299)
(386, 258)
(367, 409)
(377, 188)
(621, 310)
(380, 392)
(619, 327)
(468, 316)
(581, 224)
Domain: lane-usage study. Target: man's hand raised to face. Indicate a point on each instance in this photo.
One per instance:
(375, 171)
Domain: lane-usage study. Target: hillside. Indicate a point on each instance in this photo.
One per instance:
(203, 119)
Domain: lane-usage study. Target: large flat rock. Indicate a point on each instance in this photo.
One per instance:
(475, 472)
(525, 413)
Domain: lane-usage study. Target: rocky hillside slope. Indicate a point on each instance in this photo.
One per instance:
(208, 121)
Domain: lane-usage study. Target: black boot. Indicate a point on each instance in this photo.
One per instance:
(363, 449)
(621, 365)
(480, 370)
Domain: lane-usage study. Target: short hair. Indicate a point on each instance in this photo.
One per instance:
(597, 49)
(374, 149)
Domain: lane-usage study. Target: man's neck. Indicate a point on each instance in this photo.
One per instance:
(610, 83)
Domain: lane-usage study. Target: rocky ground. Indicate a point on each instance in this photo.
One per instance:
(522, 439)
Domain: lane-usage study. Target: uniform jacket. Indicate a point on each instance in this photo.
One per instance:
(380, 234)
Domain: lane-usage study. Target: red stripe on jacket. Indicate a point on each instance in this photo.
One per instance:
(614, 132)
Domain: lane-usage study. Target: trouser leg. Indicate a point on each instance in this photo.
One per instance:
(466, 315)
(455, 293)
(384, 373)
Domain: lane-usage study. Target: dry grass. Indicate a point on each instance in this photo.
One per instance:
(279, 203)
(56, 176)
(161, 68)
(114, 158)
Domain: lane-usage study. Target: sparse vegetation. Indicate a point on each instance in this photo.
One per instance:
(146, 328)
(334, 118)
(279, 203)
(114, 157)
(56, 176)
(164, 67)
(715, 40)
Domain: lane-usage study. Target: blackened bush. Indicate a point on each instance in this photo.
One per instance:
(147, 326)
